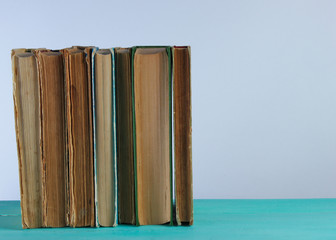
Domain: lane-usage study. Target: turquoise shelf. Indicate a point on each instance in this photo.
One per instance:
(213, 219)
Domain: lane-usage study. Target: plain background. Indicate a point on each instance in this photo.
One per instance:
(263, 84)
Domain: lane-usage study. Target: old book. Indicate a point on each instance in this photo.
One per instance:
(152, 134)
(27, 127)
(80, 136)
(105, 137)
(126, 191)
(53, 138)
(182, 135)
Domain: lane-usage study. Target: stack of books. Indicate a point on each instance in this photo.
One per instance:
(103, 136)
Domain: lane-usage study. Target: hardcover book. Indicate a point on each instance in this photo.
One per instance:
(26, 95)
(126, 189)
(104, 115)
(80, 136)
(151, 95)
(182, 135)
(53, 138)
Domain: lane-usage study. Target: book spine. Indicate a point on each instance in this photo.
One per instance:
(182, 135)
(81, 179)
(104, 138)
(27, 128)
(134, 143)
(88, 58)
(142, 105)
(53, 138)
(126, 209)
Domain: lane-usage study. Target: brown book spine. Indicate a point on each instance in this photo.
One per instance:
(53, 138)
(182, 135)
(80, 141)
(126, 191)
(27, 126)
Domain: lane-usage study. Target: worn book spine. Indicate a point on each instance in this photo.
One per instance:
(105, 137)
(182, 135)
(146, 211)
(53, 138)
(27, 126)
(80, 136)
(125, 163)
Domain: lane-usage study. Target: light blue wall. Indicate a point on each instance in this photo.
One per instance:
(263, 84)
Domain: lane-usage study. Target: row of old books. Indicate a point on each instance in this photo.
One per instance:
(103, 136)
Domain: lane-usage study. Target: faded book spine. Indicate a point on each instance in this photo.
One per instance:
(152, 134)
(182, 135)
(27, 125)
(53, 139)
(80, 139)
(104, 138)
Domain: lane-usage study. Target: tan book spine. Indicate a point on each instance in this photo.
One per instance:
(104, 138)
(152, 135)
(182, 135)
(27, 126)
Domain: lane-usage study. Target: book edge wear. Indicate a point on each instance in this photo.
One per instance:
(86, 51)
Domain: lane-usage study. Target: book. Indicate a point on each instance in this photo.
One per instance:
(27, 127)
(126, 189)
(182, 135)
(80, 136)
(105, 137)
(53, 138)
(96, 133)
(151, 94)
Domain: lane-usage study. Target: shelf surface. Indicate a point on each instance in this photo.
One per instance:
(213, 219)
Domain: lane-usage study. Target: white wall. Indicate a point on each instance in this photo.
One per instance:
(263, 84)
